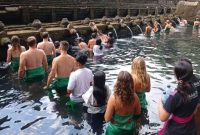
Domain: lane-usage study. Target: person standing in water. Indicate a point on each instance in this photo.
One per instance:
(62, 67)
(141, 79)
(181, 103)
(168, 26)
(79, 80)
(33, 63)
(47, 47)
(148, 30)
(92, 42)
(14, 52)
(122, 106)
(196, 24)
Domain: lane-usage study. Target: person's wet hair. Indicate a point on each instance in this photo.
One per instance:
(98, 42)
(15, 40)
(81, 58)
(45, 35)
(57, 44)
(124, 87)
(94, 35)
(99, 89)
(64, 45)
(183, 71)
(31, 41)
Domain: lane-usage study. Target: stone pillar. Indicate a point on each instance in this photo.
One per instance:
(129, 11)
(75, 14)
(53, 15)
(165, 10)
(118, 11)
(156, 11)
(92, 15)
(106, 12)
(26, 14)
(139, 12)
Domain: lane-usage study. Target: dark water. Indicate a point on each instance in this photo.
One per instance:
(26, 109)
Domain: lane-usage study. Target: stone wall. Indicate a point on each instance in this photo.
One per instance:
(188, 10)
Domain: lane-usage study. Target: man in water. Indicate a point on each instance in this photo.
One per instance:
(196, 23)
(62, 67)
(33, 62)
(148, 30)
(48, 47)
(80, 80)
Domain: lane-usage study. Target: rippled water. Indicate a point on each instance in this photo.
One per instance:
(28, 110)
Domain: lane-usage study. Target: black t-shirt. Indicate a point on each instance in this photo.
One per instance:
(175, 105)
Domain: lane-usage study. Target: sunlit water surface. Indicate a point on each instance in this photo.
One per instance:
(26, 109)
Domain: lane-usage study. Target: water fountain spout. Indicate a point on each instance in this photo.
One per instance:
(140, 29)
(130, 30)
(115, 32)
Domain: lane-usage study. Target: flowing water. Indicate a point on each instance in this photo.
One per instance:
(26, 109)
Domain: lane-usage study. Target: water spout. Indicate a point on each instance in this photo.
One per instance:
(77, 35)
(130, 30)
(140, 29)
(115, 32)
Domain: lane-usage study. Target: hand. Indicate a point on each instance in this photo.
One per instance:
(45, 87)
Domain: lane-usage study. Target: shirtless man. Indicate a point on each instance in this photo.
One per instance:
(62, 67)
(148, 30)
(33, 63)
(81, 44)
(47, 47)
(92, 41)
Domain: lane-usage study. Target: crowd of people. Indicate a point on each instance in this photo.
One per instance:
(70, 77)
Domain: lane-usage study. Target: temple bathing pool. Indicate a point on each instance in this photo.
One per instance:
(27, 110)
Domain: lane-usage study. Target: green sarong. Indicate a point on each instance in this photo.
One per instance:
(49, 59)
(59, 84)
(34, 75)
(121, 125)
(167, 30)
(14, 64)
(143, 101)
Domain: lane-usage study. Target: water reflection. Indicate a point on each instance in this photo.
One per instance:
(26, 109)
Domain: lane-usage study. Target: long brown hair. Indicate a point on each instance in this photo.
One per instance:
(139, 73)
(15, 41)
(124, 88)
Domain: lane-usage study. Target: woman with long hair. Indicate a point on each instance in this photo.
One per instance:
(122, 105)
(14, 52)
(97, 96)
(181, 103)
(141, 79)
(98, 49)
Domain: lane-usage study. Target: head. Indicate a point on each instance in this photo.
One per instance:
(31, 41)
(98, 42)
(79, 39)
(15, 40)
(124, 87)
(138, 71)
(57, 44)
(81, 59)
(110, 34)
(45, 35)
(64, 46)
(183, 72)
(197, 19)
(94, 35)
(99, 89)
(168, 21)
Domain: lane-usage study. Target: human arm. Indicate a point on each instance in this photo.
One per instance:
(137, 105)
(110, 109)
(9, 55)
(21, 66)
(163, 114)
(53, 50)
(71, 83)
(44, 62)
(52, 73)
(148, 84)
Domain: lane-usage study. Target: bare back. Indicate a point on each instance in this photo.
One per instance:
(133, 108)
(63, 65)
(34, 58)
(47, 47)
(14, 53)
